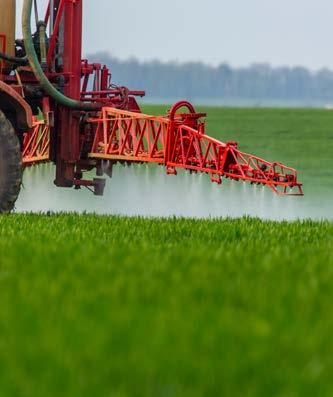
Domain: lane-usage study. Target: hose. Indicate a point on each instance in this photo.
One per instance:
(16, 61)
(38, 71)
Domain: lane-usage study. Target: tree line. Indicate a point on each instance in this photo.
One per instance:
(198, 80)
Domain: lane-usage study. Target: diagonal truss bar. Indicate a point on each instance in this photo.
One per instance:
(36, 144)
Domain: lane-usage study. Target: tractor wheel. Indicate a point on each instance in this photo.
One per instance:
(10, 165)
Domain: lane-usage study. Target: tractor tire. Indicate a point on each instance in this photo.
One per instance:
(10, 166)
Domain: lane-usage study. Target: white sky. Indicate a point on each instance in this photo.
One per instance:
(240, 32)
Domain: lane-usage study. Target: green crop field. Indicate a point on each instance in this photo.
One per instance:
(110, 306)
(129, 307)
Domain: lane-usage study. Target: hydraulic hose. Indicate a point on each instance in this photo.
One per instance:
(16, 61)
(38, 71)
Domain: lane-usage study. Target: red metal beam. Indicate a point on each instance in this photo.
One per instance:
(179, 141)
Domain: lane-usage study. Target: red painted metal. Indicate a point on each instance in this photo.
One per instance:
(3, 48)
(180, 141)
(13, 96)
(68, 152)
(36, 144)
(3, 39)
(54, 40)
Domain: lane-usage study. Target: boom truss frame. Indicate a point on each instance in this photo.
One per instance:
(179, 141)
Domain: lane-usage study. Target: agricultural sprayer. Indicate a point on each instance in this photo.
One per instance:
(57, 107)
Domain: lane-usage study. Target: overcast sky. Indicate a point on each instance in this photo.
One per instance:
(240, 32)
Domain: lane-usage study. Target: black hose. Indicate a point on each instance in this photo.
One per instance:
(16, 61)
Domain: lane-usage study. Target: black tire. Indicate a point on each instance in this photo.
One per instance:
(10, 166)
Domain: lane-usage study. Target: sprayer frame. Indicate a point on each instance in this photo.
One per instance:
(82, 127)
(68, 74)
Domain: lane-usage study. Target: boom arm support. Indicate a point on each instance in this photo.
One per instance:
(179, 141)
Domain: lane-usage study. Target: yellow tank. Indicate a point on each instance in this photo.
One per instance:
(7, 26)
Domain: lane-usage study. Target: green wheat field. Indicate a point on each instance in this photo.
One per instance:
(131, 307)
